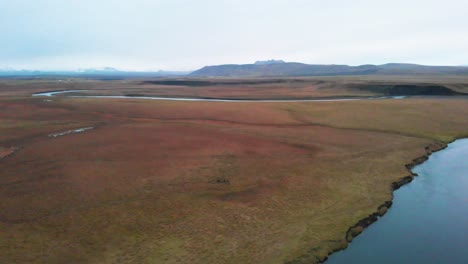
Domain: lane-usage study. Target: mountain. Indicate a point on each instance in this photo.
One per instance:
(13, 72)
(99, 70)
(301, 69)
(269, 62)
(99, 73)
(409, 69)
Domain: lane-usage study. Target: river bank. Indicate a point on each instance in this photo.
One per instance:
(344, 254)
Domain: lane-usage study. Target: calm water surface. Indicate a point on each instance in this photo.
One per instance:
(428, 222)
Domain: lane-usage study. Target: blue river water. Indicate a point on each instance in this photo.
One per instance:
(428, 222)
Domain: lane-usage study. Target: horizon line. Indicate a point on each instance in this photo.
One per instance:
(111, 69)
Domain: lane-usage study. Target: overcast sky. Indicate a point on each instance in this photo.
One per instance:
(186, 35)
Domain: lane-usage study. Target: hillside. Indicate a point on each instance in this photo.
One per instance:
(301, 69)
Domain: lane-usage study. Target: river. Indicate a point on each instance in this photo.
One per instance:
(428, 222)
(53, 93)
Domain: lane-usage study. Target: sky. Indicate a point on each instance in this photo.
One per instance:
(142, 35)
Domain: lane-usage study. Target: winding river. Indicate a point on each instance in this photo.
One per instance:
(428, 222)
(53, 93)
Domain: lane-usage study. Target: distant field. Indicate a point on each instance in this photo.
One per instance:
(249, 88)
(206, 182)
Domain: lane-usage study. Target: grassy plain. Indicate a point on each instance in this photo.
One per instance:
(204, 182)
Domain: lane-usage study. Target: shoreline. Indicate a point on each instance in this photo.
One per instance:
(356, 229)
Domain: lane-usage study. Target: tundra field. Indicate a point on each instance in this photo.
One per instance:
(152, 181)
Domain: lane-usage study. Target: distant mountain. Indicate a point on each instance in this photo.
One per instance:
(13, 72)
(100, 70)
(301, 69)
(99, 73)
(269, 62)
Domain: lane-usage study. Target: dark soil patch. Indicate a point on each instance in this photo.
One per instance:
(407, 89)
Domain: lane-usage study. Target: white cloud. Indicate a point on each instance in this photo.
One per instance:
(183, 34)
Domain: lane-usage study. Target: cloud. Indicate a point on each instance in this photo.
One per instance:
(183, 34)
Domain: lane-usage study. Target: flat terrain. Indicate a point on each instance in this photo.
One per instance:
(205, 182)
(247, 88)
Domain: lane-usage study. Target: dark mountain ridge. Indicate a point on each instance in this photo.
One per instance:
(301, 69)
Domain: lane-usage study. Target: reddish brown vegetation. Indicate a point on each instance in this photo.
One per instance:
(200, 182)
(5, 152)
